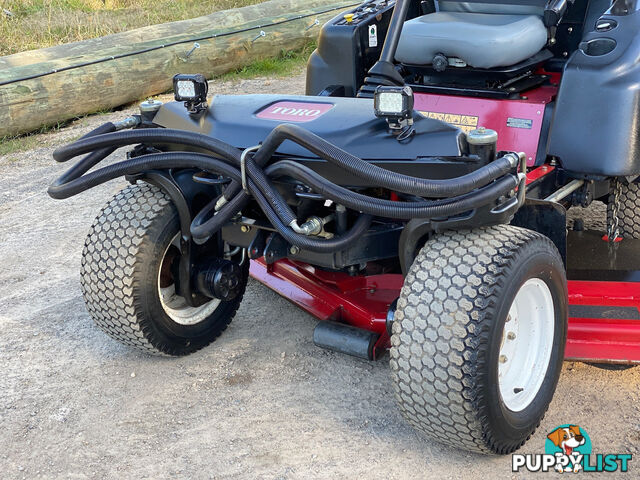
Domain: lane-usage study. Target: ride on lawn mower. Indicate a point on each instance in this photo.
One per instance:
(415, 199)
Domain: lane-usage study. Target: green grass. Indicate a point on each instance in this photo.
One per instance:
(29, 141)
(286, 63)
(17, 144)
(44, 23)
(20, 143)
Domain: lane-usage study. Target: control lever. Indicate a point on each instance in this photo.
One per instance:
(554, 11)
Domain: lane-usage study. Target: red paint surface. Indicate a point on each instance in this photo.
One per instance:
(608, 340)
(494, 114)
(363, 301)
(300, 112)
(538, 173)
(359, 301)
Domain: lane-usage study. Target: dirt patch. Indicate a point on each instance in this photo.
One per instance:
(262, 402)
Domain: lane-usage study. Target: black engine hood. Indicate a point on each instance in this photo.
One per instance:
(349, 123)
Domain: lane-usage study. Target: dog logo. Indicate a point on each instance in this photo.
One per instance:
(567, 439)
(567, 448)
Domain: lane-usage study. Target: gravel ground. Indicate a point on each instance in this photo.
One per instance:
(262, 402)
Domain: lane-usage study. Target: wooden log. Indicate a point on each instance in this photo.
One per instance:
(31, 97)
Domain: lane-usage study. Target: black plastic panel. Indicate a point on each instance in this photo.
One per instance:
(350, 124)
(595, 128)
(343, 55)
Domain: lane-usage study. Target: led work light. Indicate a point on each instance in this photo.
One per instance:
(192, 90)
(395, 104)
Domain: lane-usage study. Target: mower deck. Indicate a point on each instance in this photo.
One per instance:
(604, 297)
(361, 301)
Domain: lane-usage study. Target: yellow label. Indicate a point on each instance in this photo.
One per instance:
(466, 123)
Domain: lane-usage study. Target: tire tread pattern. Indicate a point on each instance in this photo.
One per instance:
(441, 333)
(114, 251)
(629, 214)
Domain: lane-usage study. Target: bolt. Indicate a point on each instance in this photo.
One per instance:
(245, 228)
(261, 34)
(570, 29)
(314, 24)
(511, 336)
(294, 250)
(503, 359)
(508, 318)
(193, 49)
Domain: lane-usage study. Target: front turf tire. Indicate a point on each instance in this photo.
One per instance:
(449, 333)
(120, 276)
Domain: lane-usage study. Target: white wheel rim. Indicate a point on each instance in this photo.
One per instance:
(175, 306)
(525, 348)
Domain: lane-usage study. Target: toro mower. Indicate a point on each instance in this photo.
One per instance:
(415, 199)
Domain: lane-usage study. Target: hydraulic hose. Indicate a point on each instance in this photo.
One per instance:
(87, 163)
(379, 176)
(388, 208)
(58, 188)
(141, 164)
(456, 195)
(360, 226)
(208, 221)
(104, 128)
(205, 162)
(166, 136)
(151, 136)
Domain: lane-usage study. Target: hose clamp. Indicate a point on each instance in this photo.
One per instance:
(243, 165)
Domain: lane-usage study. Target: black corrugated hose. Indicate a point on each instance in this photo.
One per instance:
(460, 194)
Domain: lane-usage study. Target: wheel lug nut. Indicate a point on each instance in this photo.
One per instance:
(508, 318)
(511, 336)
(503, 359)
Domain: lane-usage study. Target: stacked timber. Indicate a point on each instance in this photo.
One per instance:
(46, 86)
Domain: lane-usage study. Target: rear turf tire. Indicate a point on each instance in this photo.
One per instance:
(629, 214)
(449, 336)
(120, 277)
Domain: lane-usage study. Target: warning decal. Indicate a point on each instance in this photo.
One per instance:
(466, 123)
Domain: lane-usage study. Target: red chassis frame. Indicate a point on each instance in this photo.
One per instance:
(363, 301)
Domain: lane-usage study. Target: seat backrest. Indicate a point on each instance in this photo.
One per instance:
(511, 7)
